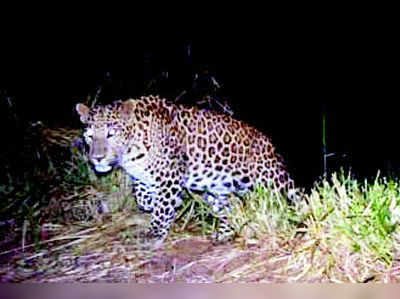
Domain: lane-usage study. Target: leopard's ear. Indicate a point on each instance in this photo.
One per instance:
(126, 109)
(83, 112)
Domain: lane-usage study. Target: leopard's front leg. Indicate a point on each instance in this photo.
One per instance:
(161, 219)
(168, 197)
(161, 201)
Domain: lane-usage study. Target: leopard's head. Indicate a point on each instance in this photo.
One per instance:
(106, 133)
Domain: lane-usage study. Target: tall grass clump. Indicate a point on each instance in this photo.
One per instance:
(345, 231)
(352, 228)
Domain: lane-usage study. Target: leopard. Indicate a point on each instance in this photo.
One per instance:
(168, 149)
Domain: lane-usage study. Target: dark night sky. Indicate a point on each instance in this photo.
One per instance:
(281, 87)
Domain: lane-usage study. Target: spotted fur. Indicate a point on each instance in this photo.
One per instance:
(167, 148)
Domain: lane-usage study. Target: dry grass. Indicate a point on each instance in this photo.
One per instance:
(86, 229)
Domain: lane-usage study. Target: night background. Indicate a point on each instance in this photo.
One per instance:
(281, 87)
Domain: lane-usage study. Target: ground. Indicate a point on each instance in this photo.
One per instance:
(100, 254)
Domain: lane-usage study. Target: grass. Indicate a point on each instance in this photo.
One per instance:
(62, 222)
(347, 231)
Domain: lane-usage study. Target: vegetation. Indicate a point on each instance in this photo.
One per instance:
(62, 222)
